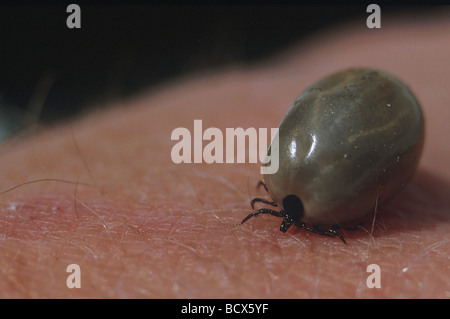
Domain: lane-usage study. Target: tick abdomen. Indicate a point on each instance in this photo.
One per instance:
(349, 142)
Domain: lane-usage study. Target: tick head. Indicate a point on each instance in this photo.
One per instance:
(293, 209)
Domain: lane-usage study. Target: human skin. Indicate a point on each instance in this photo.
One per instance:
(145, 227)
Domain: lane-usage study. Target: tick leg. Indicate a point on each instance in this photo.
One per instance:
(349, 228)
(263, 211)
(261, 183)
(324, 232)
(262, 200)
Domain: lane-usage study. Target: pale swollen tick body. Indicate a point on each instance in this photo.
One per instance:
(348, 143)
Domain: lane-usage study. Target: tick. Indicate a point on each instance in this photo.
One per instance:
(348, 143)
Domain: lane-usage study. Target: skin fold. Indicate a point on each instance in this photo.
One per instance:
(140, 226)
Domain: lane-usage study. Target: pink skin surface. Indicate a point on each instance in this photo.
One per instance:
(146, 227)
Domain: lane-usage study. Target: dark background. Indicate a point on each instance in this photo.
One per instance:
(50, 72)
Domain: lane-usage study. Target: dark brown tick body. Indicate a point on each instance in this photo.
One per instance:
(348, 143)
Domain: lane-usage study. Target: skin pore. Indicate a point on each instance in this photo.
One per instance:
(139, 225)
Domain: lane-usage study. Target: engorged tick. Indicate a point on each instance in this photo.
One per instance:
(348, 143)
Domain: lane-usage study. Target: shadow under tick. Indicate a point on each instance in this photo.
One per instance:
(421, 206)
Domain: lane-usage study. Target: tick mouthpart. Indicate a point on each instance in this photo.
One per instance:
(286, 224)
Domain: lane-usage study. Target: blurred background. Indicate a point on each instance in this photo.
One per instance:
(51, 73)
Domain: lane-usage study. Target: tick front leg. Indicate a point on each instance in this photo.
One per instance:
(261, 183)
(262, 200)
(263, 211)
